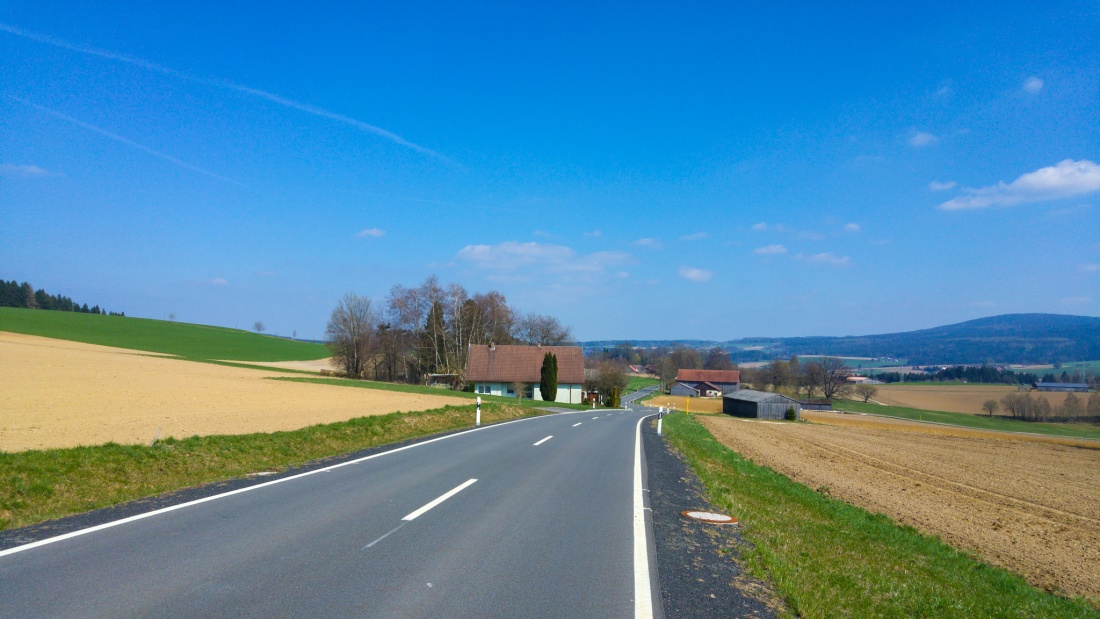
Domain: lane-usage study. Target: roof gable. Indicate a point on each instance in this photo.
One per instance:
(509, 364)
(709, 376)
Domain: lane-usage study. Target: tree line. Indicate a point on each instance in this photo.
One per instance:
(23, 295)
(987, 374)
(428, 329)
(1027, 408)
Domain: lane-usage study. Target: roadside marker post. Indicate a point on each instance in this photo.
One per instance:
(660, 418)
(477, 422)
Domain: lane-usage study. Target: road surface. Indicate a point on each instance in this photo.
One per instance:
(534, 518)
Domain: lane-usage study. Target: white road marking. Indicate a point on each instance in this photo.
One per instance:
(543, 440)
(577, 424)
(420, 512)
(384, 536)
(595, 417)
(171, 508)
(643, 596)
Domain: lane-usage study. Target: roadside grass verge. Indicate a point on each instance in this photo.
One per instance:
(189, 341)
(830, 559)
(42, 485)
(421, 389)
(972, 421)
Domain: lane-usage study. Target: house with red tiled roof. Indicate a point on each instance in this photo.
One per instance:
(497, 369)
(706, 383)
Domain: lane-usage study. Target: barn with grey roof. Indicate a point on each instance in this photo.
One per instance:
(759, 404)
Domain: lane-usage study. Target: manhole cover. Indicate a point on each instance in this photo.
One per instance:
(710, 517)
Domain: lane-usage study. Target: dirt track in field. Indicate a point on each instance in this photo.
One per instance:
(58, 393)
(1029, 506)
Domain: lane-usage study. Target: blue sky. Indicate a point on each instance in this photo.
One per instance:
(639, 171)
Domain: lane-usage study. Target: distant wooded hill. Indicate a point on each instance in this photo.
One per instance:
(1011, 338)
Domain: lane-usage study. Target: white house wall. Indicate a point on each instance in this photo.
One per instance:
(567, 393)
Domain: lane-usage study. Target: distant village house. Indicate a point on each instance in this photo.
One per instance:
(498, 369)
(1078, 387)
(706, 383)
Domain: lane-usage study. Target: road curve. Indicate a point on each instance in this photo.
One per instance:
(530, 518)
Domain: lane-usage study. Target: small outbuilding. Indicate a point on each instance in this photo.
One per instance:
(759, 404)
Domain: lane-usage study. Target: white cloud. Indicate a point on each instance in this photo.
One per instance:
(594, 233)
(760, 227)
(695, 275)
(944, 186)
(1033, 85)
(824, 258)
(1090, 268)
(852, 227)
(516, 261)
(369, 232)
(21, 171)
(1065, 179)
(770, 250)
(920, 139)
(219, 281)
(698, 236)
(541, 233)
(943, 92)
(649, 242)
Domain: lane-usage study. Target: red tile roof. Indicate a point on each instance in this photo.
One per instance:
(509, 364)
(708, 376)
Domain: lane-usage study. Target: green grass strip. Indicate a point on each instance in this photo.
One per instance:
(421, 389)
(189, 341)
(830, 559)
(637, 383)
(41, 485)
(972, 421)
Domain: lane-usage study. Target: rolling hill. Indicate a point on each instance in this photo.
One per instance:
(186, 340)
(1010, 338)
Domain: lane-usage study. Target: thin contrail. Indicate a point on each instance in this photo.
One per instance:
(126, 141)
(227, 84)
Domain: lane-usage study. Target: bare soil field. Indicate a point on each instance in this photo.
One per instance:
(58, 393)
(955, 398)
(1029, 506)
(316, 365)
(698, 405)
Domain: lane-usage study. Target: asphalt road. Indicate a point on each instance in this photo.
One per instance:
(536, 518)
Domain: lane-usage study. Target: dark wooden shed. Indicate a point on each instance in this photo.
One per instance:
(759, 404)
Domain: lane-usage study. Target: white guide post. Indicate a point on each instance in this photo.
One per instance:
(477, 422)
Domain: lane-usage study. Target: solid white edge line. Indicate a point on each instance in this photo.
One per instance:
(543, 440)
(643, 595)
(449, 494)
(163, 510)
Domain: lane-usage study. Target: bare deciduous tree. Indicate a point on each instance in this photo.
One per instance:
(718, 359)
(538, 329)
(834, 378)
(259, 326)
(866, 391)
(990, 407)
(1071, 407)
(350, 334)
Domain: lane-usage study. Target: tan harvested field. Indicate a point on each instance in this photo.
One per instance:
(58, 393)
(316, 365)
(1030, 506)
(955, 398)
(698, 405)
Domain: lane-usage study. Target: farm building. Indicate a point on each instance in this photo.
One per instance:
(759, 404)
(498, 370)
(1079, 387)
(816, 405)
(706, 383)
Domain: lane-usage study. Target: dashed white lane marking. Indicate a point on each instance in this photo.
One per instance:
(595, 417)
(543, 440)
(385, 536)
(451, 493)
(577, 424)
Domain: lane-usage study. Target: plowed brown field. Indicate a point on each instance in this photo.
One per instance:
(956, 398)
(58, 393)
(1029, 506)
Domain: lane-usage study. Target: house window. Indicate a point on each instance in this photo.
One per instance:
(482, 388)
(511, 390)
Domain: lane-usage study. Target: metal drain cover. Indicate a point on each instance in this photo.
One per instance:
(710, 517)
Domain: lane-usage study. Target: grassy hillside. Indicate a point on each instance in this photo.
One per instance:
(175, 338)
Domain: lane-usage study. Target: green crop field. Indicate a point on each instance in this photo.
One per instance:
(1074, 430)
(636, 383)
(189, 341)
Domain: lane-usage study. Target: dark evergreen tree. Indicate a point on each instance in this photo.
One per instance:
(549, 383)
